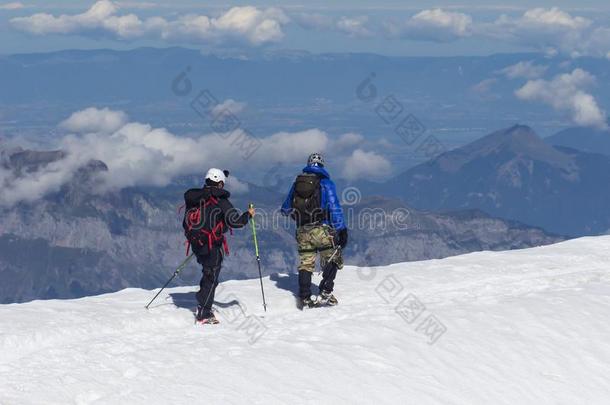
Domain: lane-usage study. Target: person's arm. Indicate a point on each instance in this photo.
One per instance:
(336, 214)
(287, 206)
(333, 205)
(231, 214)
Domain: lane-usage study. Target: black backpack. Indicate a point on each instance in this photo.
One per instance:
(204, 226)
(306, 200)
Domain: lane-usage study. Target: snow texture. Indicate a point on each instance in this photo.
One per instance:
(518, 327)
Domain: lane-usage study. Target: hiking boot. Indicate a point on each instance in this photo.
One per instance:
(327, 298)
(201, 316)
(309, 302)
(211, 320)
(199, 313)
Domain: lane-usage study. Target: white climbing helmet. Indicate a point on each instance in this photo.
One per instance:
(217, 175)
(315, 158)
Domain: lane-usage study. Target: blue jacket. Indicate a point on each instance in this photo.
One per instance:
(330, 201)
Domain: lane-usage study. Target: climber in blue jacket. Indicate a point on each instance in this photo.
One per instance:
(313, 203)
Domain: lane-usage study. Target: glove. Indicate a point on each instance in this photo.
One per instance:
(341, 238)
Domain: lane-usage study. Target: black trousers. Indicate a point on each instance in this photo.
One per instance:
(327, 284)
(211, 264)
(328, 278)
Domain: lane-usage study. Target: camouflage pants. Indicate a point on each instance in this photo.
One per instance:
(312, 239)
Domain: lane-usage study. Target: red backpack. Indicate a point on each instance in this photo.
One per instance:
(204, 226)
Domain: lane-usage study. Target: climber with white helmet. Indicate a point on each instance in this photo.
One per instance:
(208, 215)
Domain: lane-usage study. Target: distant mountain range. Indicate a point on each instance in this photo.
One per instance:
(514, 174)
(292, 89)
(589, 140)
(141, 73)
(146, 74)
(73, 243)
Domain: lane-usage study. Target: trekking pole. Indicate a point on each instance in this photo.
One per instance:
(258, 258)
(176, 272)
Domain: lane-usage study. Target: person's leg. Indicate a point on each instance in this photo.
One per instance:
(201, 259)
(334, 260)
(330, 272)
(209, 281)
(307, 261)
(304, 284)
(328, 278)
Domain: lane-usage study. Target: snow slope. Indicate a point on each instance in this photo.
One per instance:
(520, 327)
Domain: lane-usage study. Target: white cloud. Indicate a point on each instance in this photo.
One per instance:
(551, 19)
(524, 69)
(42, 23)
(230, 105)
(484, 86)
(386, 144)
(95, 120)
(136, 154)
(597, 43)
(550, 30)
(99, 17)
(12, 6)
(366, 165)
(235, 186)
(290, 147)
(139, 155)
(354, 26)
(566, 92)
(247, 24)
(542, 26)
(433, 25)
(347, 141)
(31, 186)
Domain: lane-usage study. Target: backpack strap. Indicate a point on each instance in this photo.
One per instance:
(211, 200)
(216, 234)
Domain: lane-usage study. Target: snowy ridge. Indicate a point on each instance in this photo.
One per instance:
(515, 327)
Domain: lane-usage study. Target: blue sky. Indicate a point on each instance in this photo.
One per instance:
(387, 27)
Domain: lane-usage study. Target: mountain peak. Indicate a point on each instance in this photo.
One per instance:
(21, 159)
(517, 138)
(512, 173)
(518, 141)
(518, 128)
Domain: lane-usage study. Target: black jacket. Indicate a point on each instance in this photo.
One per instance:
(230, 215)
